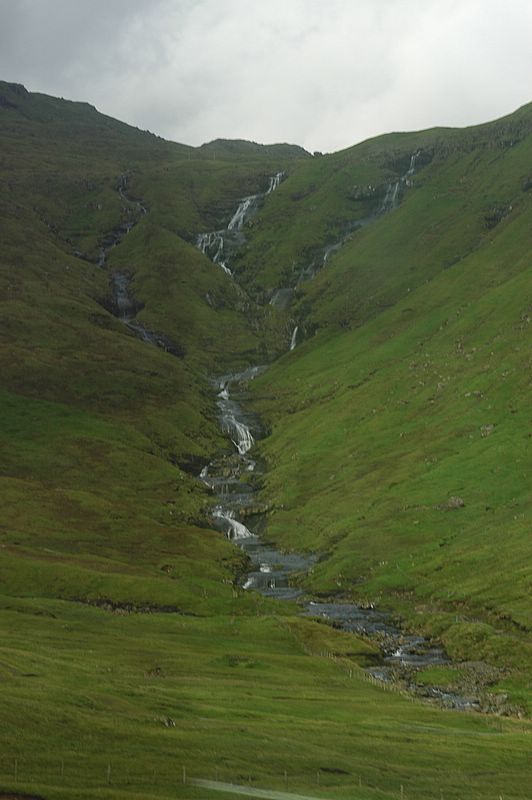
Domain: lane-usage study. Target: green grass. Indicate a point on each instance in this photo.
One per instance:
(427, 382)
(247, 701)
(421, 347)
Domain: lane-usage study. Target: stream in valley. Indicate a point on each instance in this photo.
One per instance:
(232, 476)
(239, 515)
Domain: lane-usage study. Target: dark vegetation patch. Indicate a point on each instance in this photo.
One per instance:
(116, 607)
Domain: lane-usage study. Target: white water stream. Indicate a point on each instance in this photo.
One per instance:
(271, 569)
(217, 245)
(213, 242)
(393, 192)
(293, 340)
(275, 180)
(282, 297)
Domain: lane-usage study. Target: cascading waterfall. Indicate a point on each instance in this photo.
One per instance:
(392, 192)
(293, 340)
(390, 198)
(275, 180)
(239, 432)
(214, 244)
(390, 201)
(238, 218)
(282, 297)
(236, 529)
(232, 493)
(241, 436)
(271, 569)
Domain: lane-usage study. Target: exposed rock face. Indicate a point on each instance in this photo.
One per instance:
(6, 103)
(18, 89)
(125, 608)
(454, 502)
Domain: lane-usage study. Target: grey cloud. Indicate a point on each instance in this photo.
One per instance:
(322, 75)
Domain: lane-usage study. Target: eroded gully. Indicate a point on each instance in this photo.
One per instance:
(240, 516)
(123, 304)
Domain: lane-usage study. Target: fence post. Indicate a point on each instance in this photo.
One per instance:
(109, 773)
(184, 774)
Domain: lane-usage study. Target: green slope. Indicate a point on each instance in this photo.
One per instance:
(128, 652)
(415, 390)
(104, 434)
(464, 182)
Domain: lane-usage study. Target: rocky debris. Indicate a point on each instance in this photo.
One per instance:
(155, 672)
(496, 215)
(452, 504)
(126, 608)
(168, 722)
(190, 463)
(472, 684)
(486, 430)
(361, 192)
(254, 509)
(455, 502)
(159, 340)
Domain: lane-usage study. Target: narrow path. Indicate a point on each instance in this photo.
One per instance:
(248, 791)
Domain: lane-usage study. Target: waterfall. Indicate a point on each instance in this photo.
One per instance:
(392, 192)
(293, 340)
(240, 434)
(390, 198)
(236, 530)
(125, 305)
(275, 180)
(412, 167)
(213, 245)
(239, 216)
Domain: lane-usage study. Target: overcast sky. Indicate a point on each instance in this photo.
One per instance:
(322, 73)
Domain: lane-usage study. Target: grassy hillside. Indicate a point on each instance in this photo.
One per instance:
(129, 652)
(414, 391)
(104, 435)
(483, 172)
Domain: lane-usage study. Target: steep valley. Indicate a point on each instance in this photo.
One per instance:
(387, 290)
